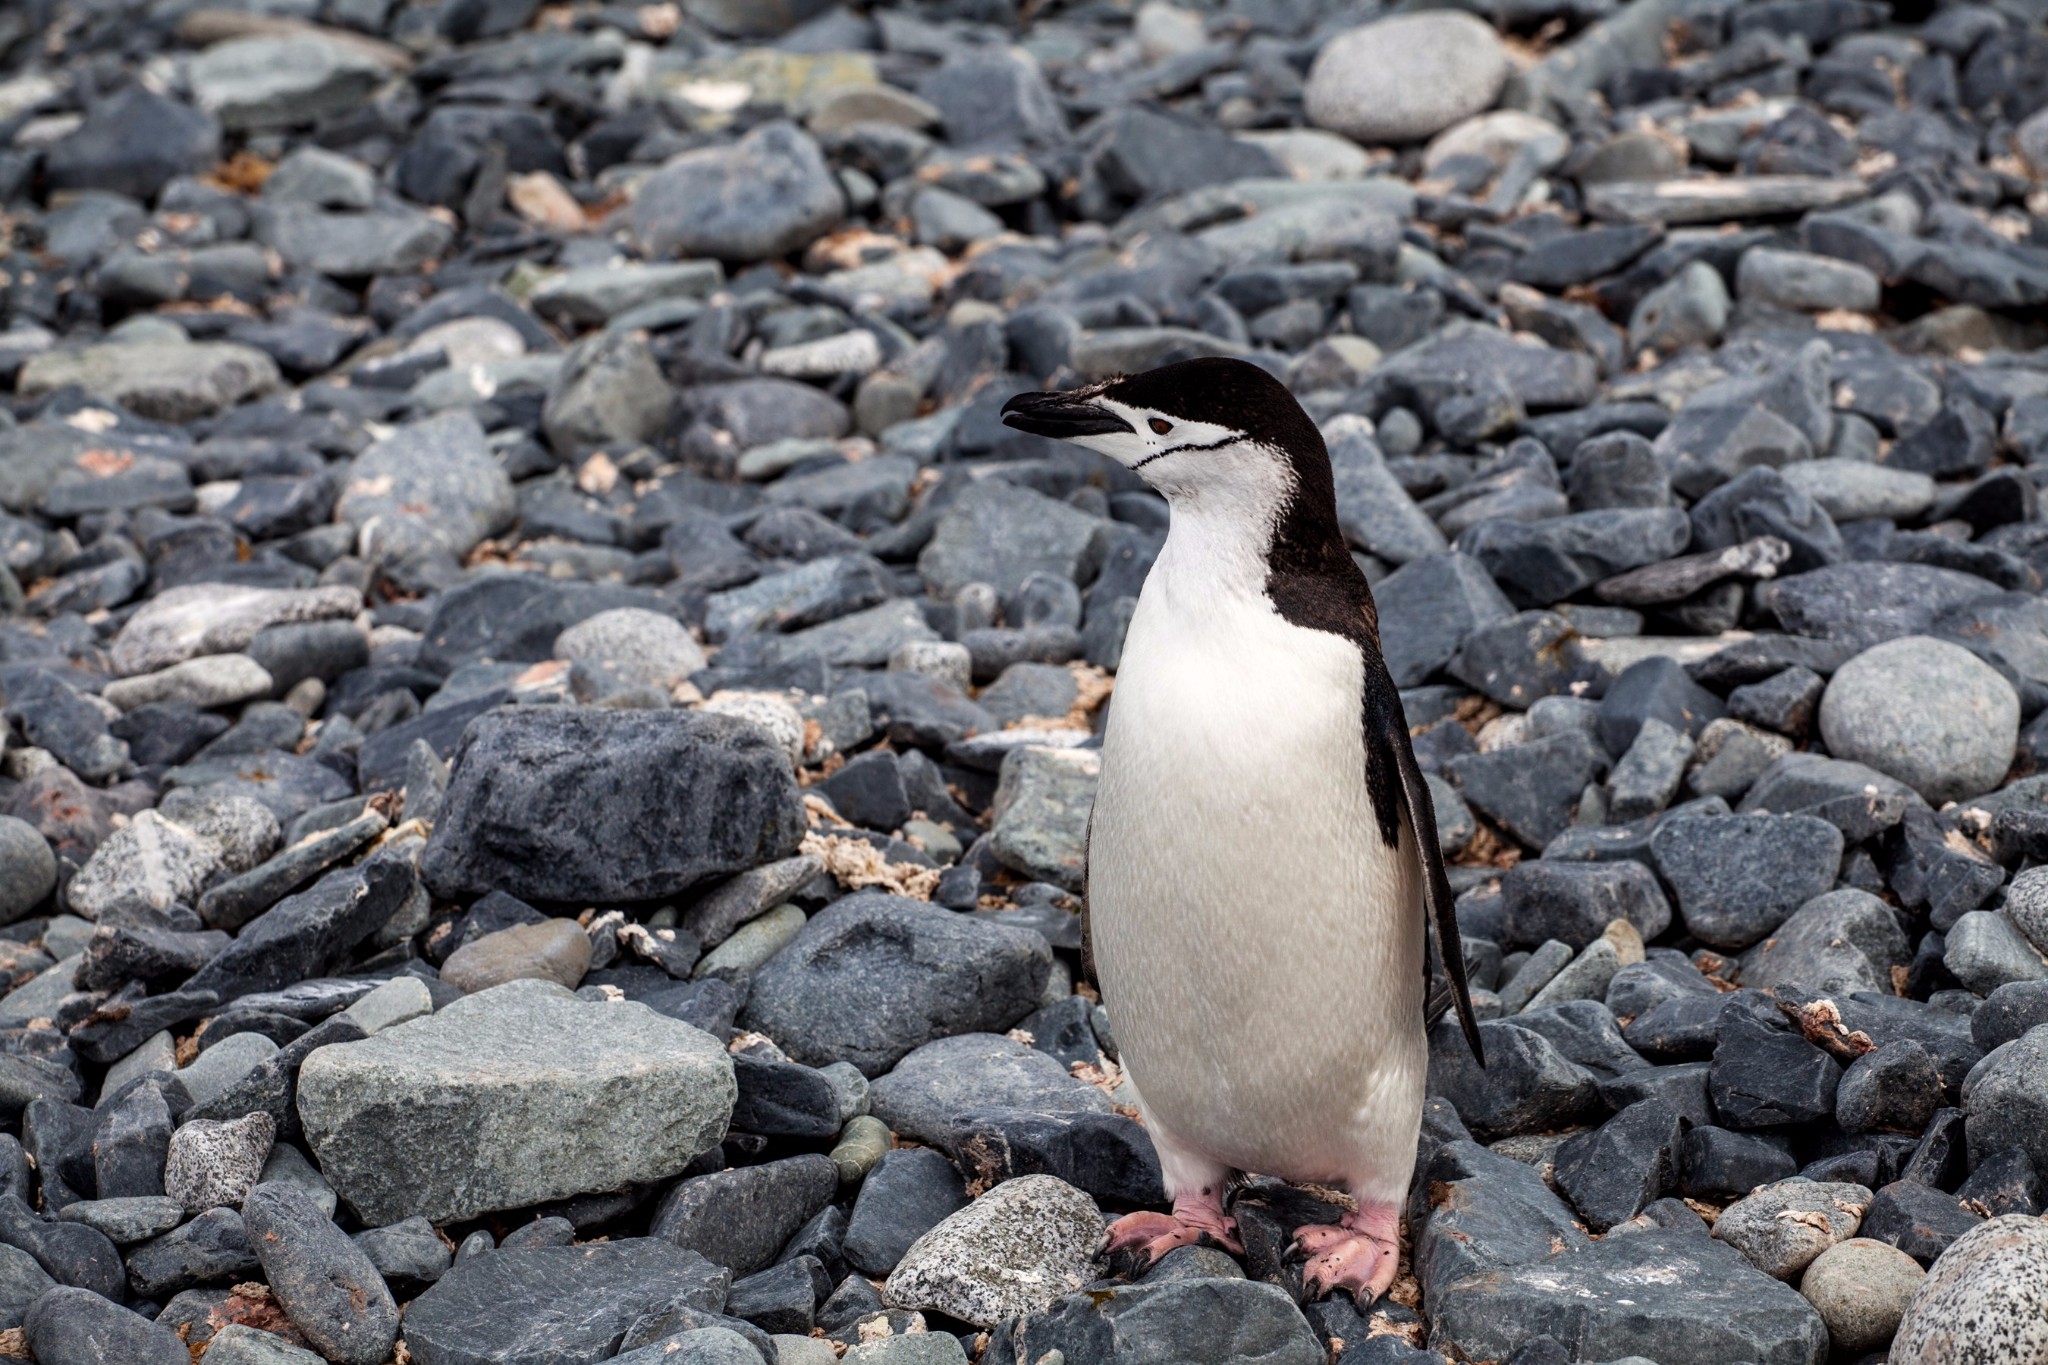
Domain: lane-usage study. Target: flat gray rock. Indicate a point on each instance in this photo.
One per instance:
(873, 976)
(570, 1305)
(168, 381)
(1686, 1298)
(975, 1071)
(520, 1094)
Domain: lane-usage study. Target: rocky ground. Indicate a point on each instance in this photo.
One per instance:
(550, 728)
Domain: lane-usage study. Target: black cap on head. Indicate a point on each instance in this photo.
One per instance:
(1229, 393)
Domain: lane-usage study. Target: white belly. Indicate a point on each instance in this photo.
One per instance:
(1260, 948)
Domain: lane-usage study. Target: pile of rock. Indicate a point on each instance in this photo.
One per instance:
(551, 729)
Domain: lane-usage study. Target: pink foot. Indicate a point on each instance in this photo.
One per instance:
(1359, 1256)
(1136, 1241)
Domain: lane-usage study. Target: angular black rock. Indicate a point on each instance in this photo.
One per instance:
(569, 803)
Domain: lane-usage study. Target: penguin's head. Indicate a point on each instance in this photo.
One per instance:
(1186, 427)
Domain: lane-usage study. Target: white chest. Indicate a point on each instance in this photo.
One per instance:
(1259, 944)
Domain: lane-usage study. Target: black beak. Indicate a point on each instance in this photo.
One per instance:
(1060, 416)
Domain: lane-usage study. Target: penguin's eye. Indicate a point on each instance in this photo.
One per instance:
(1160, 425)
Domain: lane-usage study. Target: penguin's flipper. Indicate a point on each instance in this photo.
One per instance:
(1420, 811)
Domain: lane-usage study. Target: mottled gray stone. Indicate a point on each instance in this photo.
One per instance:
(1016, 1249)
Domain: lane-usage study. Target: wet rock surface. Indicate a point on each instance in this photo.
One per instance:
(551, 728)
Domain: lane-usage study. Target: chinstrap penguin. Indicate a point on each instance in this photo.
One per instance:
(1263, 870)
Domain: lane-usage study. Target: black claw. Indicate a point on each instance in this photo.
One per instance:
(1126, 1264)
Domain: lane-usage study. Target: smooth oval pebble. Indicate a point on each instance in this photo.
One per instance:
(1861, 1289)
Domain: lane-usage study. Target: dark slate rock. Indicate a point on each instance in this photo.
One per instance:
(233, 903)
(164, 734)
(1895, 1088)
(1656, 688)
(1720, 1163)
(740, 1218)
(76, 1327)
(1485, 1211)
(1764, 1076)
(2008, 1012)
(1586, 1032)
(1528, 1084)
(1667, 1291)
(1428, 607)
(1641, 986)
(308, 934)
(572, 1304)
(1531, 789)
(22, 1282)
(1957, 440)
(1065, 1030)
(1530, 655)
(287, 785)
(1845, 940)
(1107, 1155)
(783, 1298)
(1574, 902)
(1616, 469)
(571, 803)
(782, 1099)
(767, 195)
(118, 954)
(1571, 258)
(125, 1019)
(130, 1143)
(1738, 877)
(516, 618)
(909, 1191)
(70, 1253)
(868, 791)
(873, 976)
(1681, 1086)
(1708, 446)
(1537, 563)
(1144, 155)
(410, 1254)
(932, 1087)
(1786, 702)
(324, 1282)
(1762, 504)
(1611, 1173)
(211, 1249)
(1917, 1219)
(914, 710)
(133, 143)
(2003, 1183)
(1864, 604)
(1942, 1158)
(1200, 1322)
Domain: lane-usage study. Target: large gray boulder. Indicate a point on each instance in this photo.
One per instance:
(516, 1095)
